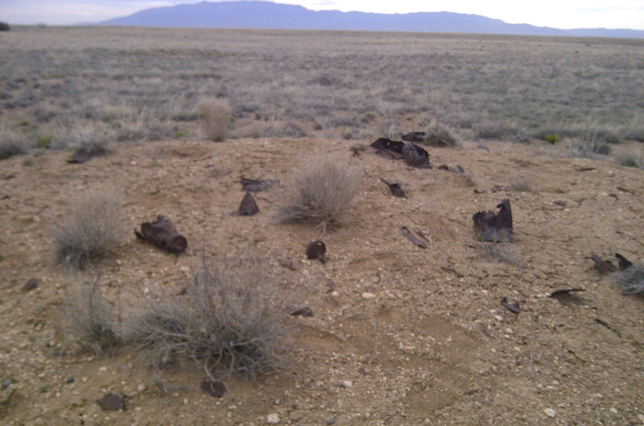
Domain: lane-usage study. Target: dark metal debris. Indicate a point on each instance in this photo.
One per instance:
(111, 402)
(316, 250)
(415, 241)
(564, 292)
(395, 189)
(163, 235)
(385, 144)
(305, 312)
(603, 266)
(414, 137)
(214, 388)
(415, 156)
(624, 263)
(31, 284)
(248, 206)
(495, 227)
(514, 307)
(458, 274)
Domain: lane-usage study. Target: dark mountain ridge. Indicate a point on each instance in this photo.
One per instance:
(268, 15)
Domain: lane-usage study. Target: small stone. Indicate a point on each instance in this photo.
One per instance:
(499, 318)
(140, 388)
(6, 384)
(347, 384)
(550, 412)
(509, 331)
(102, 369)
(31, 284)
(185, 401)
(272, 419)
(368, 296)
(331, 421)
(641, 417)
(613, 410)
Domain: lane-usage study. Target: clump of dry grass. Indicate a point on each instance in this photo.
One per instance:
(216, 119)
(523, 185)
(629, 157)
(441, 136)
(631, 280)
(91, 229)
(230, 320)
(321, 192)
(90, 318)
(502, 252)
(12, 143)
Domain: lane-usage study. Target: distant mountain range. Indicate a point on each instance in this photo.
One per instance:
(268, 15)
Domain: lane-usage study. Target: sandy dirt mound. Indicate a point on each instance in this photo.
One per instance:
(410, 335)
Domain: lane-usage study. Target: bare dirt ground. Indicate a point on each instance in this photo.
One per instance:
(403, 341)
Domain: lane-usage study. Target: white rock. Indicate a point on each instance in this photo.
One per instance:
(272, 419)
(613, 410)
(347, 384)
(368, 296)
(140, 388)
(550, 412)
(641, 417)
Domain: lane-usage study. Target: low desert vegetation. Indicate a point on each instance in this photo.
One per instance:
(502, 252)
(478, 87)
(320, 193)
(90, 317)
(12, 143)
(631, 280)
(91, 230)
(215, 119)
(231, 319)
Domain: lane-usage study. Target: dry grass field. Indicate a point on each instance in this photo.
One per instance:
(401, 333)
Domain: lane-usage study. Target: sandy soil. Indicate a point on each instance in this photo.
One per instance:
(403, 341)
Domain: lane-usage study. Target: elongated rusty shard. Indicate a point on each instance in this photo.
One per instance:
(395, 189)
(514, 307)
(603, 266)
(415, 241)
(248, 206)
(163, 235)
(564, 292)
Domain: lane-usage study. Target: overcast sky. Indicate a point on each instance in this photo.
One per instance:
(566, 14)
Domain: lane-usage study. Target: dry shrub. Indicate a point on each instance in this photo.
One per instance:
(440, 136)
(230, 321)
(631, 280)
(321, 192)
(523, 185)
(216, 119)
(90, 318)
(502, 252)
(629, 157)
(12, 143)
(91, 229)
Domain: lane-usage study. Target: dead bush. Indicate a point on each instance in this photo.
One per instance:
(230, 320)
(502, 252)
(90, 318)
(12, 143)
(630, 280)
(216, 119)
(440, 136)
(629, 157)
(321, 192)
(91, 229)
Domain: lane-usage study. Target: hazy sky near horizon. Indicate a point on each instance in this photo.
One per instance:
(626, 14)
